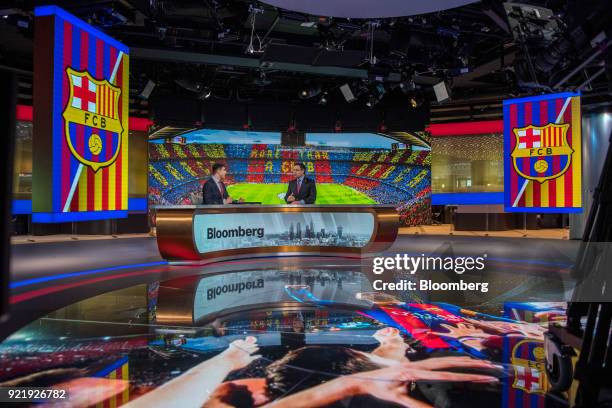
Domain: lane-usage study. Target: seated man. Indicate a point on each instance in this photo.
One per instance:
(214, 191)
(302, 190)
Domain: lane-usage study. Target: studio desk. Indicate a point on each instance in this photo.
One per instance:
(219, 232)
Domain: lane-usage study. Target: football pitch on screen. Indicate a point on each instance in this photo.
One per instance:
(273, 193)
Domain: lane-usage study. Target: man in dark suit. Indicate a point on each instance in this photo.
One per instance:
(214, 191)
(301, 190)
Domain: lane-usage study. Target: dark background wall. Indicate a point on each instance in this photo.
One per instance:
(308, 117)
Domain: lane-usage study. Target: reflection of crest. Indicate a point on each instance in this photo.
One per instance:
(541, 152)
(528, 363)
(93, 128)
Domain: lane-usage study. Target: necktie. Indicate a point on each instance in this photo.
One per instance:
(299, 185)
(221, 188)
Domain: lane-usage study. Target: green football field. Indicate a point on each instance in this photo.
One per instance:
(273, 193)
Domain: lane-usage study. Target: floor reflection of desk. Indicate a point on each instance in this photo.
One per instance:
(203, 233)
(195, 300)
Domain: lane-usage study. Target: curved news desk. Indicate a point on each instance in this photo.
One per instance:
(214, 232)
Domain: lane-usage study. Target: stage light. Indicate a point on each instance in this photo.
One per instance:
(146, 91)
(205, 93)
(292, 127)
(407, 86)
(372, 101)
(379, 91)
(308, 93)
(415, 102)
(347, 93)
(442, 91)
(338, 126)
(323, 99)
(375, 95)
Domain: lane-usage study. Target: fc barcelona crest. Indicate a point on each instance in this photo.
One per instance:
(93, 126)
(527, 359)
(541, 152)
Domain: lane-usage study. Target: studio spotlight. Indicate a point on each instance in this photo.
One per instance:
(379, 91)
(347, 92)
(372, 101)
(323, 99)
(407, 86)
(146, 91)
(442, 91)
(308, 93)
(205, 93)
(415, 102)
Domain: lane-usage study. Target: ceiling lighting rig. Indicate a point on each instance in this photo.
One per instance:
(256, 45)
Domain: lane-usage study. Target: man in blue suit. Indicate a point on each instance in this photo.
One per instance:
(301, 190)
(214, 191)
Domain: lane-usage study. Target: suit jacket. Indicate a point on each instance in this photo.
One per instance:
(308, 191)
(211, 194)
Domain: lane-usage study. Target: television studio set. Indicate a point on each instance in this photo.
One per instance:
(306, 204)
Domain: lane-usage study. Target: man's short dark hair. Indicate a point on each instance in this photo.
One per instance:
(301, 166)
(216, 167)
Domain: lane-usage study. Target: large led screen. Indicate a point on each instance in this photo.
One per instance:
(542, 154)
(81, 97)
(259, 172)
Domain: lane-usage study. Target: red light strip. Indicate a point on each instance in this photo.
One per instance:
(466, 128)
(25, 113)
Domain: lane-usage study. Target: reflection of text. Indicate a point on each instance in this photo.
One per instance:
(233, 288)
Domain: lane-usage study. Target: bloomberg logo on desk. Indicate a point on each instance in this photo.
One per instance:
(234, 232)
(216, 232)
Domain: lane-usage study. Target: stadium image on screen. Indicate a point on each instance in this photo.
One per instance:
(260, 172)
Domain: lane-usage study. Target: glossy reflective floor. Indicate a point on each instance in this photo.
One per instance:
(49, 276)
(293, 337)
